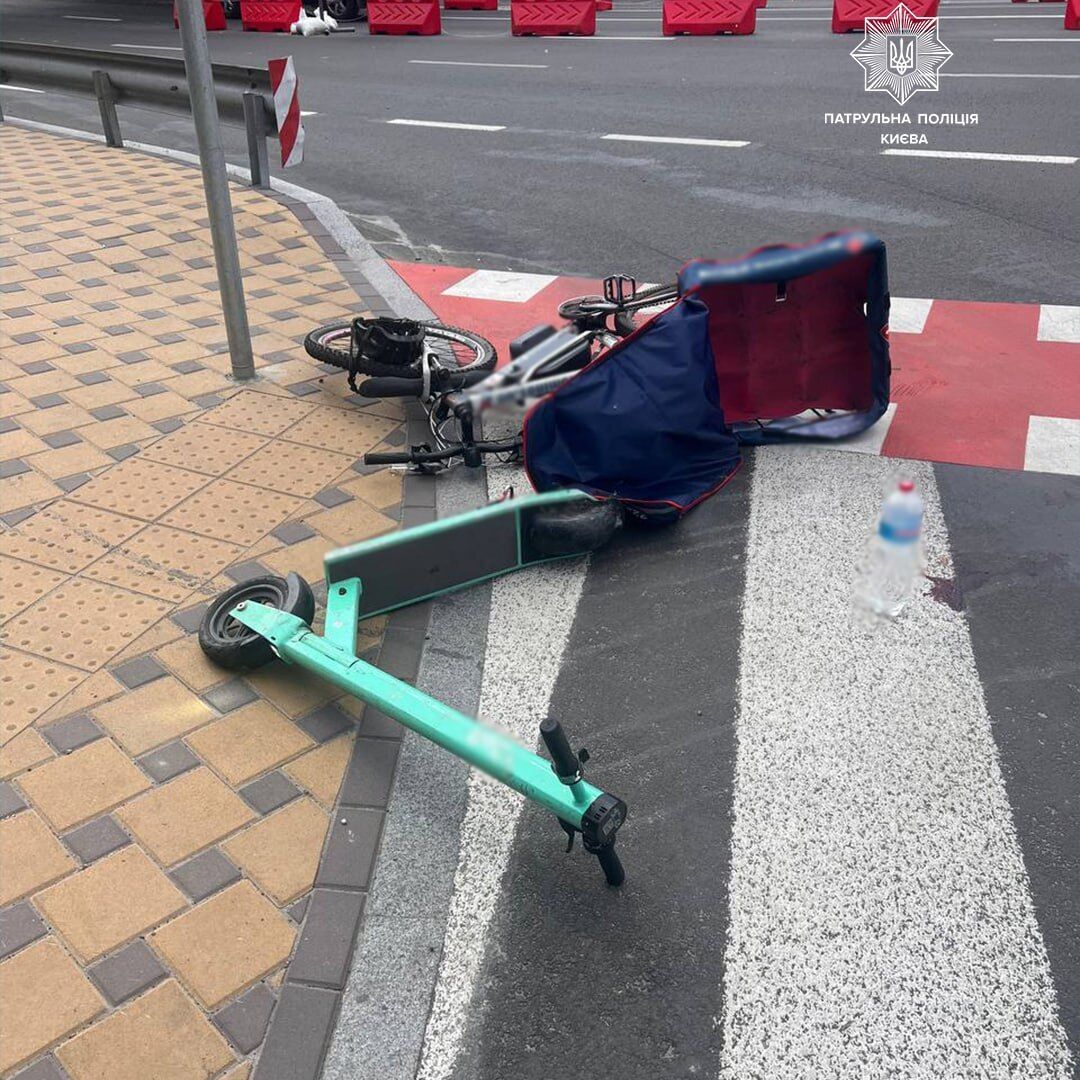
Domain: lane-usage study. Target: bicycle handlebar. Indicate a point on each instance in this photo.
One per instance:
(443, 380)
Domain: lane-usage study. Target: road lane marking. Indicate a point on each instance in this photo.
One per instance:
(1000, 75)
(908, 314)
(1067, 41)
(170, 48)
(881, 919)
(308, 112)
(733, 144)
(1059, 322)
(448, 124)
(971, 155)
(474, 63)
(531, 619)
(506, 285)
(92, 18)
(1053, 445)
(20, 89)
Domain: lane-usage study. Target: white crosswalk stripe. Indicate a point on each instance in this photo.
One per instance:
(881, 922)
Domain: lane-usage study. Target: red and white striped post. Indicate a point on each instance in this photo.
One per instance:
(284, 84)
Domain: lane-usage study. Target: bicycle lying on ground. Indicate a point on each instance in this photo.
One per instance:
(450, 370)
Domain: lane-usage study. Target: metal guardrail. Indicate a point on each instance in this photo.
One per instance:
(157, 83)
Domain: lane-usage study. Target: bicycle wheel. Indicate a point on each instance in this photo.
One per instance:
(450, 347)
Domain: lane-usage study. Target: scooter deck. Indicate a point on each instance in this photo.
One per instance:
(426, 561)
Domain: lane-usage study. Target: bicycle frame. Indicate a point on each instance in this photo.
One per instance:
(415, 565)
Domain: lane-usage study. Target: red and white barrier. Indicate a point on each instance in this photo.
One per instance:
(471, 5)
(269, 15)
(603, 5)
(701, 18)
(213, 15)
(851, 15)
(404, 17)
(284, 84)
(552, 18)
(1072, 15)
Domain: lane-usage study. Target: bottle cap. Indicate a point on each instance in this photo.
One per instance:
(907, 486)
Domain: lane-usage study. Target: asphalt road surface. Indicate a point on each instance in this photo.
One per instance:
(548, 192)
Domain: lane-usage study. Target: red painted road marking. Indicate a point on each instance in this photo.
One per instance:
(965, 388)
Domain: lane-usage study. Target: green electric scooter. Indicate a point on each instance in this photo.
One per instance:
(250, 624)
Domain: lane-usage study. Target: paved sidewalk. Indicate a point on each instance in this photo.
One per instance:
(163, 822)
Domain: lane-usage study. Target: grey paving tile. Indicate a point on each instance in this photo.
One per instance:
(325, 948)
(70, 483)
(48, 401)
(92, 378)
(13, 467)
(13, 517)
(122, 453)
(19, 925)
(370, 774)
(168, 761)
(71, 733)
(326, 722)
(417, 515)
(205, 874)
(230, 695)
(350, 852)
(332, 496)
(186, 367)
(245, 571)
(169, 424)
(11, 802)
(7, 424)
(137, 672)
(107, 412)
(298, 1036)
(419, 490)
(244, 1021)
(96, 838)
(269, 792)
(208, 401)
(127, 972)
(59, 439)
(189, 618)
(292, 532)
(150, 389)
(400, 652)
(303, 389)
(375, 724)
(46, 1068)
(296, 911)
(132, 356)
(38, 367)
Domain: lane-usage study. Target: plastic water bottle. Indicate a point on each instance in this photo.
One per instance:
(894, 558)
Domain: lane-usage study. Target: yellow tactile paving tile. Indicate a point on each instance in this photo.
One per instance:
(148, 473)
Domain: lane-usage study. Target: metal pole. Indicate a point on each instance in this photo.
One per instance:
(107, 106)
(256, 139)
(200, 79)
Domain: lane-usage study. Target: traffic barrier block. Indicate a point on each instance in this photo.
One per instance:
(550, 18)
(471, 5)
(213, 15)
(603, 5)
(269, 15)
(760, 3)
(848, 15)
(404, 17)
(1072, 15)
(703, 17)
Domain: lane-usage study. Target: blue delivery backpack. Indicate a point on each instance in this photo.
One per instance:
(787, 344)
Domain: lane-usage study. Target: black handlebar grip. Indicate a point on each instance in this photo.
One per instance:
(391, 387)
(609, 862)
(567, 765)
(387, 459)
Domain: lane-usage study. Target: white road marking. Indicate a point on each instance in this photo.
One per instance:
(908, 315)
(507, 285)
(1001, 75)
(475, 63)
(91, 18)
(1053, 445)
(308, 112)
(608, 37)
(448, 124)
(168, 48)
(20, 89)
(1059, 322)
(1067, 41)
(881, 921)
(872, 439)
(971, 155)
(531, 618)
(817, 18)
(730, 143)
